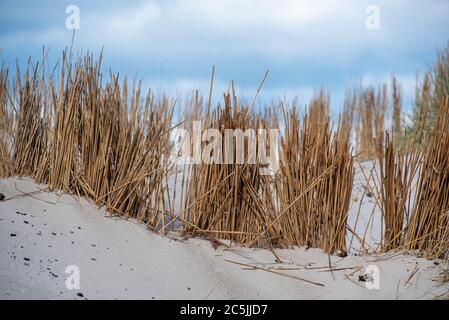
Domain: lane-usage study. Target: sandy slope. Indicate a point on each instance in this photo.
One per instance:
(41, 235)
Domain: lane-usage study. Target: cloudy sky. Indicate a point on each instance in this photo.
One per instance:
(171, 45)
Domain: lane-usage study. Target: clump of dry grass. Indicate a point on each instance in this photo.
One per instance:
(394, 183)
(397, 106)
(31, 122)
(6, 122)
(315, 181)
(348, 117)
(79, 135)
(370, 111)
(428, 230)
(430, 92)
(229, 200)
(305, 203)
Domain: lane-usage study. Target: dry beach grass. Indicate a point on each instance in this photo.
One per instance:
(95, 137)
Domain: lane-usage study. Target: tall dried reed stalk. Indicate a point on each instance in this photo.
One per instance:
(315, 181)
(394, 183)
(348, 117)
(433, 89)
(229, 201)
(423, 105)
(428, 230)
(399, 134)
(6, 126)
(77, 134)
(371, 108)
(31, 122)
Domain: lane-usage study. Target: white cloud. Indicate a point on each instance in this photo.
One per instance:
(234, 14)
(304, 39)
(276, 28)
(129, 21)
(327, 30)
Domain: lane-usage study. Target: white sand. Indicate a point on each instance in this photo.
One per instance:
(120, 259)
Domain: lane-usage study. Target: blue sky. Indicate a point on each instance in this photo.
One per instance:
(171, 45)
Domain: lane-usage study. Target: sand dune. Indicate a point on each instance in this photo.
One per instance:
(43, 233)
